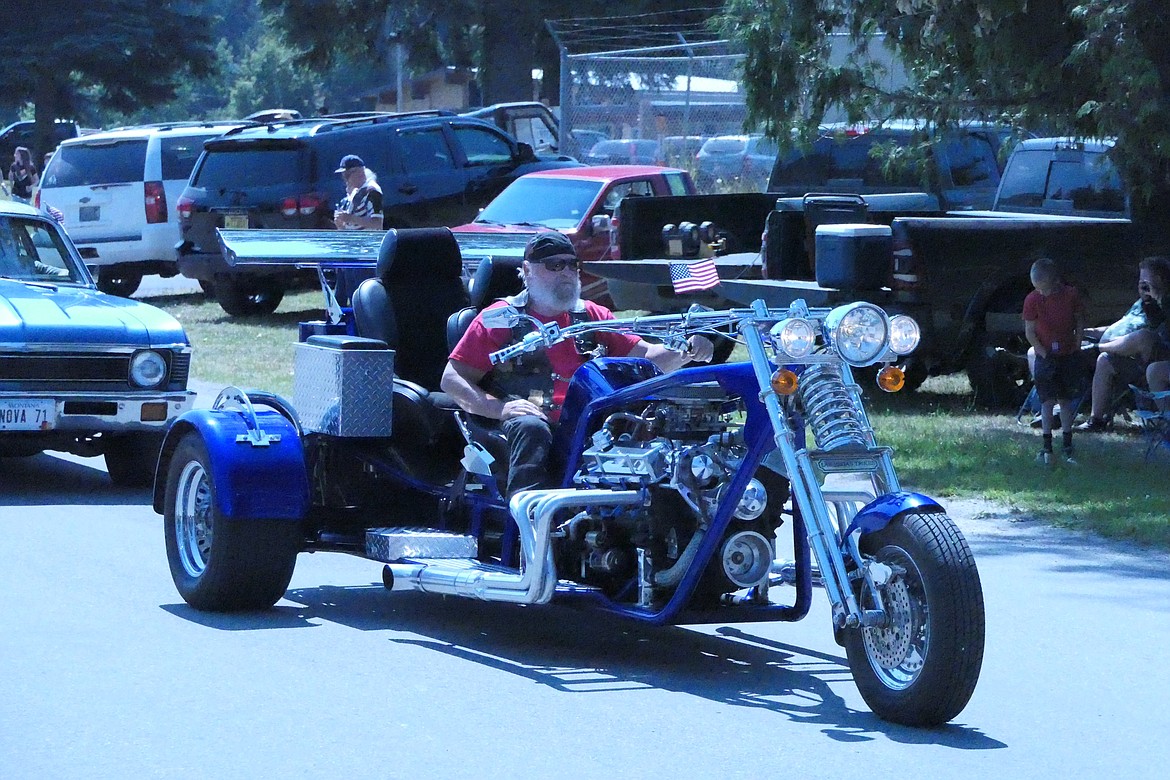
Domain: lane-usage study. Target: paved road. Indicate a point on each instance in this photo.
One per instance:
(107, 674)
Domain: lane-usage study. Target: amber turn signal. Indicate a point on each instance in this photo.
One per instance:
(784, 382)
(891, 379)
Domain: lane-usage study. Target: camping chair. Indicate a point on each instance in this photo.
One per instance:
(1155, 422)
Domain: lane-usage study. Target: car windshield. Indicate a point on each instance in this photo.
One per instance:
(553, 203)
(725, 146)
(31, 250)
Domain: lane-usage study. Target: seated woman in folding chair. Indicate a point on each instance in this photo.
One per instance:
(1151, 344)
(1123, 357)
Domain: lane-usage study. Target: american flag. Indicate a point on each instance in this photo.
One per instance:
(687, 277)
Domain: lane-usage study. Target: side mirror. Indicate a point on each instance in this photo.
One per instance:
(501, 317)
(600, 223)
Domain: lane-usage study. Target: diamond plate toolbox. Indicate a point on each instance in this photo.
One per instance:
(344, 386)
(394, 544)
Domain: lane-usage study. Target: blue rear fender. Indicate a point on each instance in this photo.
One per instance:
(249, 481)
(880, 512)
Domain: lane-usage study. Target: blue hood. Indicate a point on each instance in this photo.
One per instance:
(35, 314)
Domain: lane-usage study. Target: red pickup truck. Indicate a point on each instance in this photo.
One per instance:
(580, 203)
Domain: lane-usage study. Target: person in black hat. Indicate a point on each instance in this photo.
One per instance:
(524, 396)
(361, 208)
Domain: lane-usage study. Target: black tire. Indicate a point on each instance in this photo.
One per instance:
(915, 372)
(131, 459)
(998, 372)
(208, 288)
(922, 668)
(221, 565)
(249, 296)
(118, 280)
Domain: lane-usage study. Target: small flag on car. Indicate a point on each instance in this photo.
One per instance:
(688, 277)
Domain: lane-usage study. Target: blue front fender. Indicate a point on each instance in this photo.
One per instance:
(878, 513)
(248, 481)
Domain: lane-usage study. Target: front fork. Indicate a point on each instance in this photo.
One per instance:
(830, 543)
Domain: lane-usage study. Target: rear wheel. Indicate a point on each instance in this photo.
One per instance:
(998, 371)
(249, 295)
(217, 564)
(118, 280)
(921, 667)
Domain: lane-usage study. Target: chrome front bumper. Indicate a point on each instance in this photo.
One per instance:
(115, 412)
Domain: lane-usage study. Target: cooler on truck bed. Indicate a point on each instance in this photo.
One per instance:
(854, 257)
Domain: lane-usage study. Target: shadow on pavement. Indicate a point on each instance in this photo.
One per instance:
(47, 480)
(583, 652)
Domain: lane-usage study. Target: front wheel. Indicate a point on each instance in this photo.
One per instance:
(920, 669)
(131, 459)
(119, 280)
(221, 565)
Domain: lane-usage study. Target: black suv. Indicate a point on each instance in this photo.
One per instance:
(963, 167)
(434, 168)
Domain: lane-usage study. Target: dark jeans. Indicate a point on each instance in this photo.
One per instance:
(529, 440)
(1059, 377)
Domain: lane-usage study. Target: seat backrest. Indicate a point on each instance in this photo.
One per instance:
(495, 278)
(418, 286)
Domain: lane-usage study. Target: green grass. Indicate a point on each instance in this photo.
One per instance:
(943, 446)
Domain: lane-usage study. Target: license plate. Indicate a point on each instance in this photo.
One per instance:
(235, 221)
(89, 213)
(27, 415)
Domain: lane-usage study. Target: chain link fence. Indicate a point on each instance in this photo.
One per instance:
(664, 100)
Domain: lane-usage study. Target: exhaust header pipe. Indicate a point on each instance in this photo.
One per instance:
(533, 511)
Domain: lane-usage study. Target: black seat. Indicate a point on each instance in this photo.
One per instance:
(495, 278)
(418, 285)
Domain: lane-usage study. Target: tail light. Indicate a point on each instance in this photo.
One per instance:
(906, 272)
(302, 204)
(155, 198)
(185, 206)
(309, 203)
(37, 199)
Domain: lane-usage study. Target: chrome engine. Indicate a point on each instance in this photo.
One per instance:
(682, 452)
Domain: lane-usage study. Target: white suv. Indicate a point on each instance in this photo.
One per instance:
(119, 189)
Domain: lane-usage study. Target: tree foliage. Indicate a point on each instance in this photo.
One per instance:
(127, 52)
(1092, 68)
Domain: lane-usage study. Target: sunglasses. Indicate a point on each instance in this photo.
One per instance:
(1144, 287)
(558, 264)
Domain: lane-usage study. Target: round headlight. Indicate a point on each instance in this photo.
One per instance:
(797, 337)
(904, 334)
(859, 332)
(147, 369)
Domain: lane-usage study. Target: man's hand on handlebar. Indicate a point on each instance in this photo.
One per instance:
(700, 349)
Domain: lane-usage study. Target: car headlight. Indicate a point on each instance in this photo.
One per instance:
(796, 336)
(904, 334)
(859, 332)
(147, 369)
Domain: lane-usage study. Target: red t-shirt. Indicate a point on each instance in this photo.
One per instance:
(1056, 317)
(479, 342)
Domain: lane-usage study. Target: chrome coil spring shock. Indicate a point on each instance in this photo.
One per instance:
(829, 408)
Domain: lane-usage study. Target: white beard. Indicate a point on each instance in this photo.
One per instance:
(556, 298)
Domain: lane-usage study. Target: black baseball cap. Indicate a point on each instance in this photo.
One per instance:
(549, 245)
(349, 161)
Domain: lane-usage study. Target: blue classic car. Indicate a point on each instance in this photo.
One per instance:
(81, 371)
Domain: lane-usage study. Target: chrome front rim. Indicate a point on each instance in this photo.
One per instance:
(193, 521)
(897, 651)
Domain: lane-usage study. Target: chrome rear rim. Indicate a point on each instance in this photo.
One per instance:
(193, 521)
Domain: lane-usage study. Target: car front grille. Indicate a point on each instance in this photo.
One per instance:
(81, 371)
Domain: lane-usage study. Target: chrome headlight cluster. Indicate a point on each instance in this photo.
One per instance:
(147, 369)
(861, 333)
